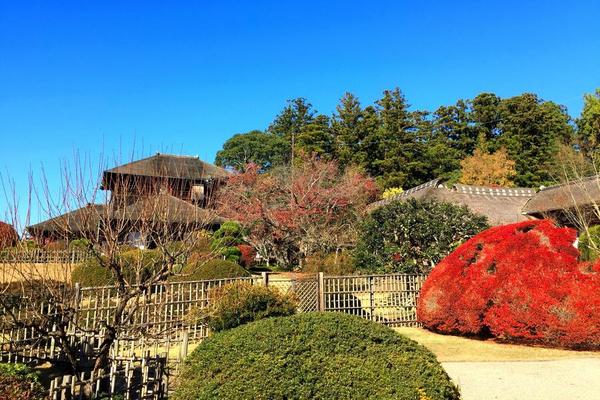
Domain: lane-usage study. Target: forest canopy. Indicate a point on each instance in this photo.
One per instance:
(402, 147)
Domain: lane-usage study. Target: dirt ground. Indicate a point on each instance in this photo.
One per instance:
(487, 370)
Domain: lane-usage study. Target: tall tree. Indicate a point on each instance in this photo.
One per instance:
(485, 113)
(396, 159)
(588, 125)
(531, 131)
(348, 129)
(293, 118)
(264, 149)
(455, 124)
(315, 139)
(442, 154)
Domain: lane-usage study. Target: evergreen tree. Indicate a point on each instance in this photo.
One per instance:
(293, 118)
(588, 125)
(349, 131)
(531, 130)
(454, 125)
(265, 149)
(315, 139)
(396, 160)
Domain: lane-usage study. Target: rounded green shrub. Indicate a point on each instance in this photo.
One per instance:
(589, 244)
(239, 303)
(209, 270)
(19, 382)
(313, 356)
(79, 244)
(138, 264)
(412, 236)
(92, 273)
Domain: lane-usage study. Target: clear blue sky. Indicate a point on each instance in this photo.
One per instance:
(183, 78)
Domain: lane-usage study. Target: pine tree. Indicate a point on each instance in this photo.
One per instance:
(348, 131)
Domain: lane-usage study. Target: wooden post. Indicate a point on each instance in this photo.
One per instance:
(371, 299)
(183, 350)
(321, 292)
(265, 278)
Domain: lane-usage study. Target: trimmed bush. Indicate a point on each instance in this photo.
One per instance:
(19, 382)
(313, 356)
(226, 240)
(91, 273)
(209, 270)
(137, 265)
(412, 236)
(330, 264)
(520, 282)
(79, 244)
(589, 244)
(239, 303)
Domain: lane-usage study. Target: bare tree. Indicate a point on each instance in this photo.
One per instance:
(146, 211)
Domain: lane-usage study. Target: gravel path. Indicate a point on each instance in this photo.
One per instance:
(565, 379)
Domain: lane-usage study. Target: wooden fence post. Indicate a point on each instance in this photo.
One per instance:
(371, 298)
(321, 292)
(265, 278)
(183, 350)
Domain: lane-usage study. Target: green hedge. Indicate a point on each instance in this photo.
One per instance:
(313, 356)
(92, 273)
(240, 303)
(208, 270)
(136, 264)
(19, 382)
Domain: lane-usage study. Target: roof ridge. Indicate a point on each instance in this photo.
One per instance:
(494, 191)
(585, 179)
(159, 154)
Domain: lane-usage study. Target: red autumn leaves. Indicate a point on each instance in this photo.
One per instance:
(8, 235)
(521, 282)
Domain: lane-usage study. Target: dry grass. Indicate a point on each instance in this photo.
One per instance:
(455, 348)
(17, 272)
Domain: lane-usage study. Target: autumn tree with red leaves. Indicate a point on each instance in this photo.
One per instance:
(521, 282)
(293, 212)
(8, 235)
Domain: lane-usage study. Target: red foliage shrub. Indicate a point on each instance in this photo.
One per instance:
(521, 282)
(248, 255)
(8, 235)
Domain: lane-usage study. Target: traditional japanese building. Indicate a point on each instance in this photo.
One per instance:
(569, 204)
(171, 190)
(500, 205)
